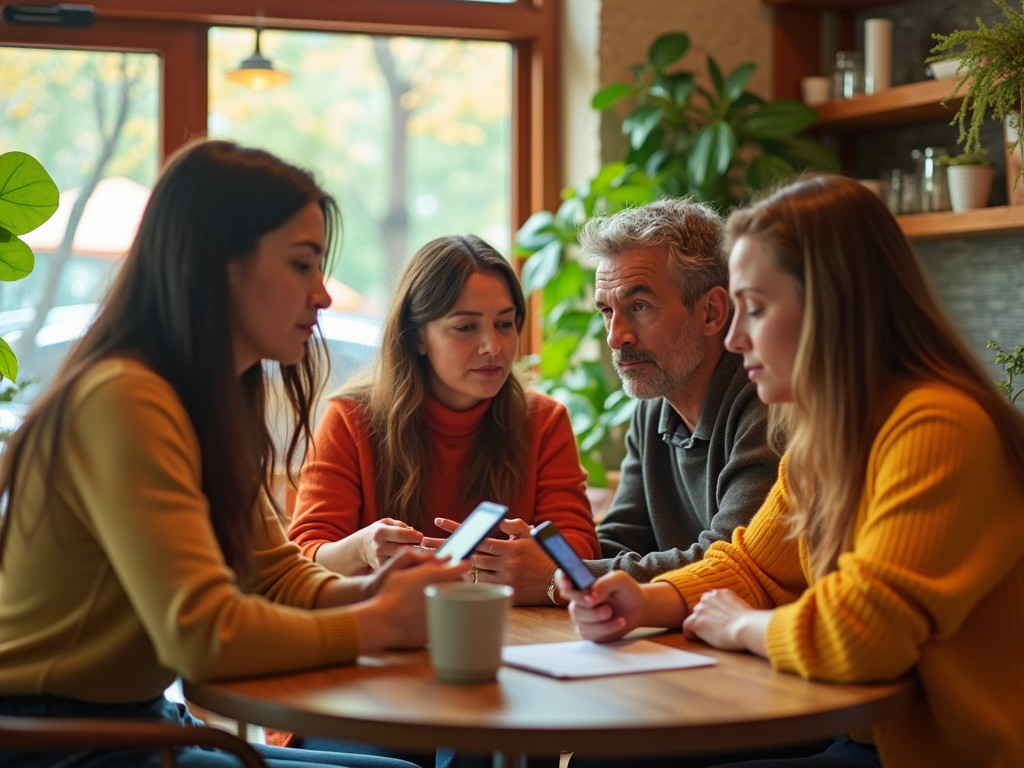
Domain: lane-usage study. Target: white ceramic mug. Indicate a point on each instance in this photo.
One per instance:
(466, 627)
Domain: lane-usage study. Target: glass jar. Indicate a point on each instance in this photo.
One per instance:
(848, 79)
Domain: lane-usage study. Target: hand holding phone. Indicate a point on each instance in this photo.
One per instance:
(557, 548)
(473, 530)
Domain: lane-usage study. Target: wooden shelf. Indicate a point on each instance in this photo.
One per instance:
(832, 5)
(902, 105)
(983, 222)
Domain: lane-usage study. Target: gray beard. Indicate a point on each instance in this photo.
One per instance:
(651, 384)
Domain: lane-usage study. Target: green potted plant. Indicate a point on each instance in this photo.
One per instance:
(990, 76)
(1013, 365)
(717, 144)
(28, 197)
(970, 179)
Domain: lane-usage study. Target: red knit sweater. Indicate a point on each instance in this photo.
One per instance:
(337, 495)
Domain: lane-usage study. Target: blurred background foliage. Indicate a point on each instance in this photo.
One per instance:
(717, 144)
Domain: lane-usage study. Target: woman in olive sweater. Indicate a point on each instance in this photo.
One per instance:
(893, 541)
(139, 540)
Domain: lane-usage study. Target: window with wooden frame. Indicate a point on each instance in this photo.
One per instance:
(164, 60)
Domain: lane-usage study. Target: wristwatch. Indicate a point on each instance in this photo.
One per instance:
(551, 593)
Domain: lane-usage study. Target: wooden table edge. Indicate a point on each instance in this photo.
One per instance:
(661, 739)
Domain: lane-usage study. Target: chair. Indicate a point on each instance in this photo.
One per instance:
(46, 734)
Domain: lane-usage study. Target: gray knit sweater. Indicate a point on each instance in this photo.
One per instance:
(680, 493)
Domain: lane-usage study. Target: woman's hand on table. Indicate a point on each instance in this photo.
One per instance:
(723, 619)
(369, 548)
(395, 617)
(382, 540)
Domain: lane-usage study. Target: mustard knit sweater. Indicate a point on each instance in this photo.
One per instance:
(119, 584)
(934, 583)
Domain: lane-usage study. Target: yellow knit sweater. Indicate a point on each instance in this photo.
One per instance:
(934, 582)
(120, 584)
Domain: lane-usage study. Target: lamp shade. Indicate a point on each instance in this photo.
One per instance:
(257, 71)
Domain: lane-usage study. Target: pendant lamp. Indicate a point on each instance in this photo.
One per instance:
(257, 71)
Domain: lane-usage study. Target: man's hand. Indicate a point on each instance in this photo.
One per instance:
(723, 619)
(518, 562)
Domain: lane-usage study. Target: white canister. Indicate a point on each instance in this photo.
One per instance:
(877, 55)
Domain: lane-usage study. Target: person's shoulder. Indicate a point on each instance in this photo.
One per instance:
(543, 407)
(927, 399)
(122, 381)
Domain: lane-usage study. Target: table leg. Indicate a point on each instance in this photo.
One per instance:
(509, 760)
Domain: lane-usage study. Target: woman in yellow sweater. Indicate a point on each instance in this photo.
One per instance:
(139, 541)
(894, 539)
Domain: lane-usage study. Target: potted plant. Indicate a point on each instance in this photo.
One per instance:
(28, 197)
(718, 145)
(991, 77)
(970, 180)
(1013, 365)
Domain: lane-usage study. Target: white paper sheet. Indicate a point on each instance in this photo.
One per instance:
(583, 658)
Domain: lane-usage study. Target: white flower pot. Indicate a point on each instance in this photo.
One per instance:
(969, 186)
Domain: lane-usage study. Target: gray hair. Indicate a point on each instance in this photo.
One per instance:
(691, 231)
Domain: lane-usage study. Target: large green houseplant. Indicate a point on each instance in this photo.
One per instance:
(991, 75)
(28, 197)
(717, 144)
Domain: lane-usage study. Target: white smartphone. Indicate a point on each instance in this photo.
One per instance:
(473, 530)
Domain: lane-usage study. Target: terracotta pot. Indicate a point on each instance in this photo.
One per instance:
(969, 186)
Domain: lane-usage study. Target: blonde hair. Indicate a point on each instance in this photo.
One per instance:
(395, 390)
(869, 316)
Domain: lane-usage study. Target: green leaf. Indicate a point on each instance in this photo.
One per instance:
(569, 218)
(16, 258)
(555, 353)
(541, 267)
(536, 232)
(712, 153)
(28, 196)
(667, 49)
(609, 95)
(640, 122)
(595, 471)
(737, 81)
(8, 362)
(766, 170)
(639, 156)
(607, 176)
(716, 75)
(780, 120)
(805, 152)
(570, 284)
(682, 87)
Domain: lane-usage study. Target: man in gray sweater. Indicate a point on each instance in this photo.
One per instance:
(697, 462)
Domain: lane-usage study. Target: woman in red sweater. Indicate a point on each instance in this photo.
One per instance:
(439, 424)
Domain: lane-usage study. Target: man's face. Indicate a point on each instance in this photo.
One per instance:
(656, 345)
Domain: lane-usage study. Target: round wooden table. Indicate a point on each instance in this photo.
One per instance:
(395, 699)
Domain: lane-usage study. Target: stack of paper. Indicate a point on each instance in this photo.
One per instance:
(586, 659)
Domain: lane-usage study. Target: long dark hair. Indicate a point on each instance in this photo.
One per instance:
(170, 308)
(395, 390)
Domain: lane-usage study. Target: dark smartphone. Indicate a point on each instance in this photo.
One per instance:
(472, 531)
(565, 557)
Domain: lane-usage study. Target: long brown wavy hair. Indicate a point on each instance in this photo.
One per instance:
(396, 387)
(170, 308)
(870, 317)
